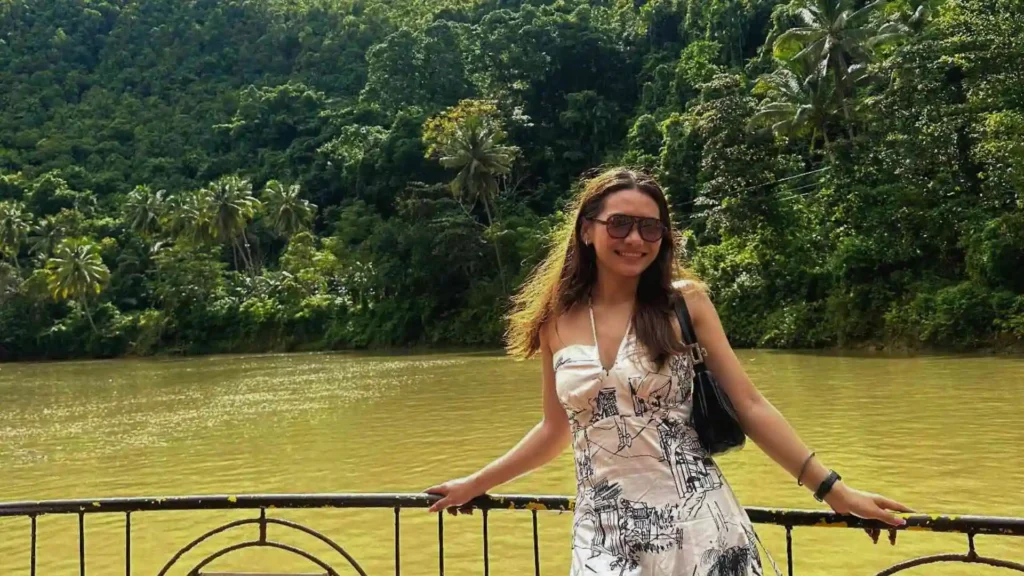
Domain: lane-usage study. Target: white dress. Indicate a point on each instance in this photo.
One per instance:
(650, 501)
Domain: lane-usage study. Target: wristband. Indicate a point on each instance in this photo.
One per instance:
(826, 485)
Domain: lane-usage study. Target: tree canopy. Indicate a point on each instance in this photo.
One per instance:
(198, 176)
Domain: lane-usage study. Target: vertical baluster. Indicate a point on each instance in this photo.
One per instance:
(398, 558)
(789, 548)
(440, 543)
(487, 558)
(81, 543)
(32, 569)
(536, 547)
(127, 544)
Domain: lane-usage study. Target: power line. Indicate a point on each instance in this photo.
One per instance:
(763, 184)
(814, 185)
(780, 180)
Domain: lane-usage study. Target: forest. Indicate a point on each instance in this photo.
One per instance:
(224, 176)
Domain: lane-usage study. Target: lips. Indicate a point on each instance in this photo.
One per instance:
(630, 255)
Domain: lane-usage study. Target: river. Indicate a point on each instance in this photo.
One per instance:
(943, 434)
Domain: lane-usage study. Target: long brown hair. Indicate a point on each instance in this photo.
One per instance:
(564, 278)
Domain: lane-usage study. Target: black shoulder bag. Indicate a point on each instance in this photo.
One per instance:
(713, 415)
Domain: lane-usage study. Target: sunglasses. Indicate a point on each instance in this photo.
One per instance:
(619, 226)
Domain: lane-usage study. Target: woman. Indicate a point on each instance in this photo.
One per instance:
(617, 383)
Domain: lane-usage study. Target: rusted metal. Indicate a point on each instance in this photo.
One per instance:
(939, 558)
(968, 525)
(262, 522)
(536, 545)
(32, 570)
(398, 539)
(81, 543)
(127, 544)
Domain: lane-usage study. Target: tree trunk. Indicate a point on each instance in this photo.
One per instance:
(841, 93)
(88, 314)
(245, 260)
(497, 252)
(248, 256)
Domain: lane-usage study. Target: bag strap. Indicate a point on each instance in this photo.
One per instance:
(697, 352)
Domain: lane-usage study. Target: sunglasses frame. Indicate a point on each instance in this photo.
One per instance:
(635, 222)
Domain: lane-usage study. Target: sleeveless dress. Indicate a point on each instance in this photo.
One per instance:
(650, 501)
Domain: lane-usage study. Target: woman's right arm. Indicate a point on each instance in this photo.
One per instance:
(542, 444)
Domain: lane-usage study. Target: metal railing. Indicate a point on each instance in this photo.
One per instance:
(789, 519)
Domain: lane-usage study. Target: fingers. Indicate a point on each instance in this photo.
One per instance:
(889, 518)
(450, 506)
(439, 489)
(440, 505)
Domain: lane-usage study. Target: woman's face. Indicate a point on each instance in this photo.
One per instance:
(630, 255)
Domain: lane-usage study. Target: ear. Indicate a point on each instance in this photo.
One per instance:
(587, 232)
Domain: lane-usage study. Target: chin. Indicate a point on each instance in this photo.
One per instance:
(630, 270)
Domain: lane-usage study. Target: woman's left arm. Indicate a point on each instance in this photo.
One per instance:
(768, 428)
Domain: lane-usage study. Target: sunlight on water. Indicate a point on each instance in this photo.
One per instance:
(942, 434)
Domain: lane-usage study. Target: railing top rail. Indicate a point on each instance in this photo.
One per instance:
(971, 524)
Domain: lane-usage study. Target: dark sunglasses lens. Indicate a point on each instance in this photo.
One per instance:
(619, 226)
(651, 230)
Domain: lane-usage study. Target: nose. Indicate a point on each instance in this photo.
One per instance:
(634, 238)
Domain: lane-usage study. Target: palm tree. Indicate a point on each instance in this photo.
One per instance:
(14, 225)
(287, 212)
(476, 152)
(189, 217)
(143, 210)
(233, 206)
(45, 237)
(77, 271)
(834, 35)
(794, 107)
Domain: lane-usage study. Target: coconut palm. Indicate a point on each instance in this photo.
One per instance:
(44, 237)
(76, 271)
(143, 210)
(287, 212)
(477, 153)
(14, 226)
(836, 37)
(232, 207)
(793, 106)
(188, 216)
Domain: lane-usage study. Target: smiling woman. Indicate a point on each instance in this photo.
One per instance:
(618, 383)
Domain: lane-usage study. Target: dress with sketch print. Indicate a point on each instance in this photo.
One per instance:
(650, 501)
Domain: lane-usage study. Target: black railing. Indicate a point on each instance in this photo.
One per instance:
(789, 519)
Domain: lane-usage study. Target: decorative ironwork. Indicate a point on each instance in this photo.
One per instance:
(789, 519)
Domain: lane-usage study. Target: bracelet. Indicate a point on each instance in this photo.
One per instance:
(826, 485)
(804, 469)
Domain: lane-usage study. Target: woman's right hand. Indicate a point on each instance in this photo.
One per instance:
(454, 493)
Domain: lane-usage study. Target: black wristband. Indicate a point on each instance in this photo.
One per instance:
(826, 485)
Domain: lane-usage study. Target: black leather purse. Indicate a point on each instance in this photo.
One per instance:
(713, 415)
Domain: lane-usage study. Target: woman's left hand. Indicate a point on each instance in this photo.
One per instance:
(846, 500)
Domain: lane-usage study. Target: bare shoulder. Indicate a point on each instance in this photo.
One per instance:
(698, 302)
(547, 333)
(551, 335)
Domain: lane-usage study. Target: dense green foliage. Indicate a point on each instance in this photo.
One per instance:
(243, 175)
